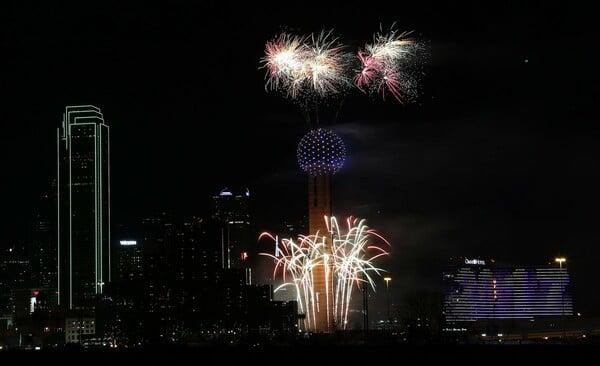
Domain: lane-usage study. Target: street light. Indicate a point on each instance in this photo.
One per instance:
(560, 261)
(387, 291)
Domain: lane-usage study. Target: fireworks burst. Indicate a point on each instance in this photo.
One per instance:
(386, 65)
(349, 263)
(303, 67)
(314, 68)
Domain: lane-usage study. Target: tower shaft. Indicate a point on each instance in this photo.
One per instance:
(319, 206)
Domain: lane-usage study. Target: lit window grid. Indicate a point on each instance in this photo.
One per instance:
(506, 293)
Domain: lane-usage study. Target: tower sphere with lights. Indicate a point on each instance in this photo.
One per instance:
(321, 152)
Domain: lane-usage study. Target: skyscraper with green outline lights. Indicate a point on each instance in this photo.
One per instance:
(83, 196)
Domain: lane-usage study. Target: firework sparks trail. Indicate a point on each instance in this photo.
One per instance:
(350, 260)
(284, 62)
(298, 259)
(327, 65)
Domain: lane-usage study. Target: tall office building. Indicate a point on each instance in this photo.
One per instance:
(130, 266)
(83, 195)
(14, 274)
(232, 209)
(43, 243)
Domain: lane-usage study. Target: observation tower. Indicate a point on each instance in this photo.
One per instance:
(321, 153)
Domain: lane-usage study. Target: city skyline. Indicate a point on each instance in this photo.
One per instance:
(495, 159)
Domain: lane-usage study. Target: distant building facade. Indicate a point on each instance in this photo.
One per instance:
(83, 196)
(43, 244)
(232, 209)
(77, 330)
(14, 275)
(130, 265)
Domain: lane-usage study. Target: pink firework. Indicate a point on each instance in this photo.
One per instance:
(371, 69)
(384, 65)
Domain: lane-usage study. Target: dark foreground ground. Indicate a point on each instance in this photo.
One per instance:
(318, 355)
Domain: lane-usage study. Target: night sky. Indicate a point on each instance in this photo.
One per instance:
(496, 158)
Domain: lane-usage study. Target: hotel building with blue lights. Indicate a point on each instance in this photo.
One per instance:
(480, 290)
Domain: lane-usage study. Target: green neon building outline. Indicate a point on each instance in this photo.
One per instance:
(70, 119)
